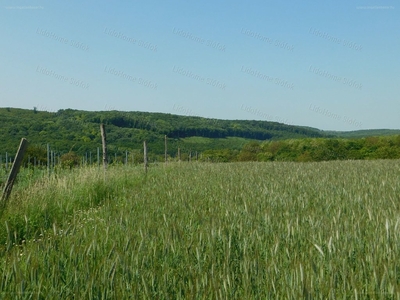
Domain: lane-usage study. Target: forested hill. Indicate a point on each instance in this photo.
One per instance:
(363, 133)
(79, 130)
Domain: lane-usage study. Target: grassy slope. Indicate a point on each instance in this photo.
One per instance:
(250, 230)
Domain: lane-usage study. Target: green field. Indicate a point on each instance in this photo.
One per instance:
(276, 230)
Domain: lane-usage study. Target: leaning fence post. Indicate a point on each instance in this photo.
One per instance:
(48, 160)
(165, 146)
(145, 156)
(104, 141)
(14, 172)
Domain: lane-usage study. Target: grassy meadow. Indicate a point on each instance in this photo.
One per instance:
(278, 230)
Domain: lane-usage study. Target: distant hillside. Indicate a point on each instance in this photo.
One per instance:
(363, 133)
(79, 131)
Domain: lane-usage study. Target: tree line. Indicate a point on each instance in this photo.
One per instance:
(312, 149)
(76, 133)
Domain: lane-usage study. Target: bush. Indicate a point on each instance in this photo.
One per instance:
(70, 160)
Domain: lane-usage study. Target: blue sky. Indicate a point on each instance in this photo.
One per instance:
(333, 65)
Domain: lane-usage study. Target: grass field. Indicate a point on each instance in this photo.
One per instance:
(205, 231)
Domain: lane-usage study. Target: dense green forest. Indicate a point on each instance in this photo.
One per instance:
(68, 131)
(312, 149)
(78, 131)
(363, 133)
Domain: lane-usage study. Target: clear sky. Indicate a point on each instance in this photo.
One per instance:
(333, 65)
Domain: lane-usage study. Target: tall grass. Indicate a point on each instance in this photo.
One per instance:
(212, 231)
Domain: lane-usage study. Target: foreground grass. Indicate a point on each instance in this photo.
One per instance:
(212, 231)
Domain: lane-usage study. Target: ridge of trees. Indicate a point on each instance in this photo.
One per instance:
(76, 130)
(322, 149)
(73, 131)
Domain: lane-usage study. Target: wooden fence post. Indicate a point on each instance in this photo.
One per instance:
(104, 142)
(145, 156)
(14, 172)
(179, 154)
(48, 159)
(165, 146)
